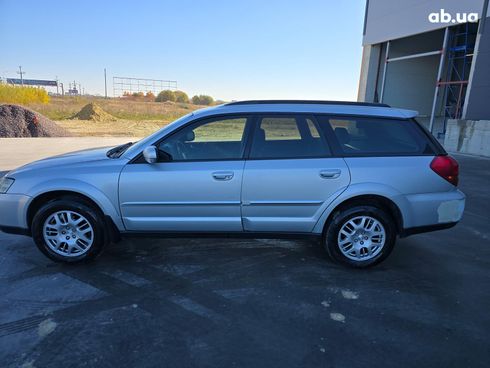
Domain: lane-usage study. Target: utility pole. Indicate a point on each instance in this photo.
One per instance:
(57, 91)
(105, 82)
(21, 75)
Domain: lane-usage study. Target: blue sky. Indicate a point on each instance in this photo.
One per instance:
(227, 49)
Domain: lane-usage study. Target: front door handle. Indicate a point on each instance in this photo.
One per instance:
(223, 175)
(330, 174)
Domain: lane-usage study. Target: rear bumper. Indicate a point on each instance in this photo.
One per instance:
(433, 211)
(13, 211)
(426, 229)
(15, 230)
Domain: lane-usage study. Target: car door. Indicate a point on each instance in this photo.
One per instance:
(196, 183)
(290, 176)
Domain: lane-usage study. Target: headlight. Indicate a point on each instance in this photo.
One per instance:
(5, 184)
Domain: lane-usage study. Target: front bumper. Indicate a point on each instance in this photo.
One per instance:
(13, 213)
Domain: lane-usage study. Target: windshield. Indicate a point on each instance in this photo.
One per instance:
(155, 136)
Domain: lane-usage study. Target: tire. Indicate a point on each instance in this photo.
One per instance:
(87, 239)
(361, 246)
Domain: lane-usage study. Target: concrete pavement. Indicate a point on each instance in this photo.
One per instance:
(255, 303)
(15, 152)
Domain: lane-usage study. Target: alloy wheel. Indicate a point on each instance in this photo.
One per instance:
(361, 238)
(68, 233)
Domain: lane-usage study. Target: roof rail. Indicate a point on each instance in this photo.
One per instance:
(312, 102)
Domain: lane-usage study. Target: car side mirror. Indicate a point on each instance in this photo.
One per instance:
(150, 154)
(190, 136)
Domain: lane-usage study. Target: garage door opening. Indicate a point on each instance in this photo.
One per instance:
(429, 73)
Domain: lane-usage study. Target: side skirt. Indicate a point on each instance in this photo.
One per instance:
(239, 235)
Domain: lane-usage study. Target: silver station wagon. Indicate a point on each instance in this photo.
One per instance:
(355, 175)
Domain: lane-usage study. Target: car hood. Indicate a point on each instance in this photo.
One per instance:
(68, 159)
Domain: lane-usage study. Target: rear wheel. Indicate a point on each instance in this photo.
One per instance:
(69, 230)
(360, 236)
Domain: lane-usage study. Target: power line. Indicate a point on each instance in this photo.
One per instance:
(21, 73)
(105, 82)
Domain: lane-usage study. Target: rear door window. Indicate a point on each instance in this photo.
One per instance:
(370, 136)
(287, 137)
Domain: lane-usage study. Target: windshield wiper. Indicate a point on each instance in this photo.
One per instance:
(116, 152)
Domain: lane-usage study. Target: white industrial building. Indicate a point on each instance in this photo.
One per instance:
(433, 57)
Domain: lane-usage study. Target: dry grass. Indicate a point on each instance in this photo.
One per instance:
(119, 128)
(134, 118)
(62, 108)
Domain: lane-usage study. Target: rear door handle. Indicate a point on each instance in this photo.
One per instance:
(223, 175)
(330, 174)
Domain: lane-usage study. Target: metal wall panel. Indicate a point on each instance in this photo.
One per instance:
(392, 19)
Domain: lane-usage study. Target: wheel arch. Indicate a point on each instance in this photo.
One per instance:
(43, 198)
(83, 191)
(376, 200)
(379, 195)
(113, 232)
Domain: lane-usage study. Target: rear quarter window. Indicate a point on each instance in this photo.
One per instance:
(358, 136)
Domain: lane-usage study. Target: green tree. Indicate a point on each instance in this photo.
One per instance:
(206, 100)
(166, 95)
(202, 100)
(181, 96)
(196, 100)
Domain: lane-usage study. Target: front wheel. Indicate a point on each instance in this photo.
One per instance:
(69, 230)
(360, 236)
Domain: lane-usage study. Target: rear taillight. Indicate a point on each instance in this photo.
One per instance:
(446, 167)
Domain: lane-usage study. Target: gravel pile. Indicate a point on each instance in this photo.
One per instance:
(93, 112)
(19, 122)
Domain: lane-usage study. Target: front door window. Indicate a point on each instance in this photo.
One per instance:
(216, 139)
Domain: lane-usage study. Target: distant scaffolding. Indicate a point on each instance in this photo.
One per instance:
(122, 85)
